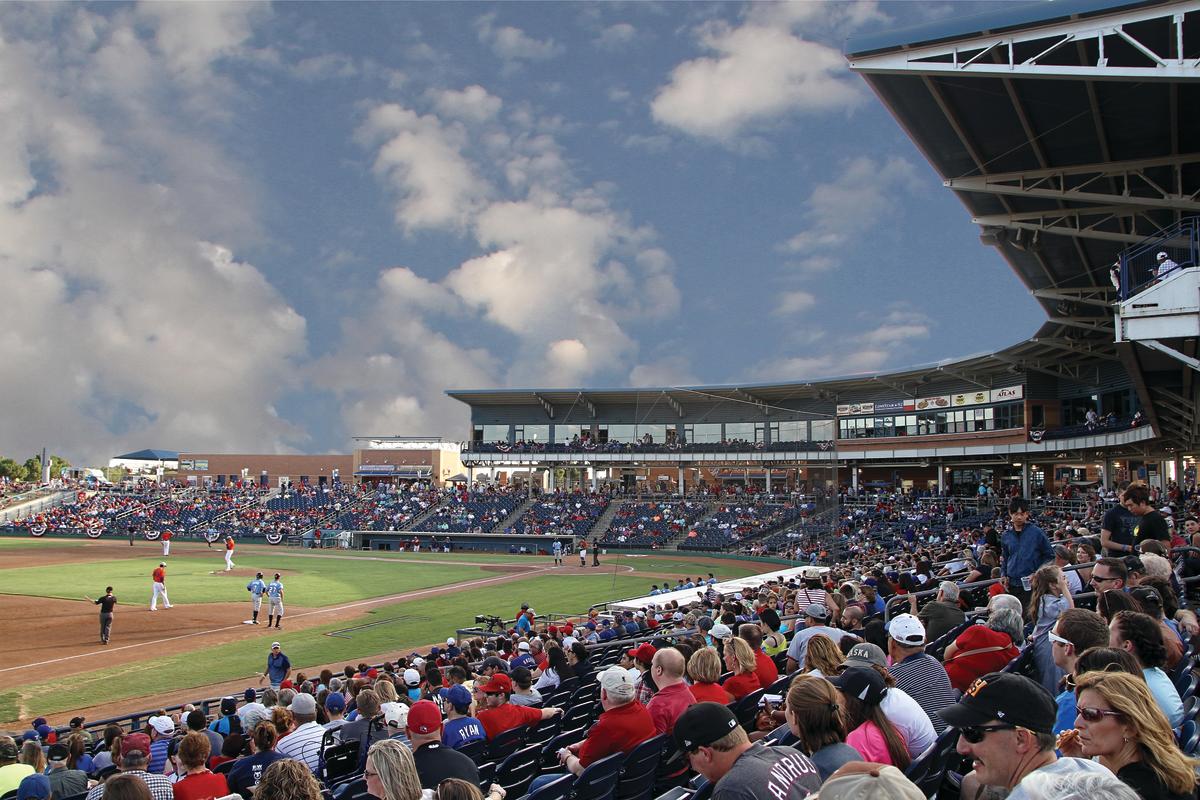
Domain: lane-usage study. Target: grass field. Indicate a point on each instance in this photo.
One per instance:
(312, 579)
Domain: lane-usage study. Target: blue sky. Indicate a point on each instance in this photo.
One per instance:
(261, 228)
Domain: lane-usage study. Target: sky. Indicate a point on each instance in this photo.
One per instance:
(268, 228)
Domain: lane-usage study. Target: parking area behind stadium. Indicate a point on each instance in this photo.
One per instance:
(340, 607)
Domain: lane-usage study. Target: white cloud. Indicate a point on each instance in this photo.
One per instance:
(672, 370)
(421, 161)
(794, 302)
(513, 44)
(326, 66)
(616, 36)
(759, 73)
(472, 104)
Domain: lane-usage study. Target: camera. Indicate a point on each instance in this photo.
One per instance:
(493, 623)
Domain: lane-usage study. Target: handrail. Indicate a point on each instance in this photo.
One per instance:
(1181, 243)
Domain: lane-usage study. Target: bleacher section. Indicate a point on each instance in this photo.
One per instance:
(576, 514)
(733, 525)
(472, 511)
(651, 524)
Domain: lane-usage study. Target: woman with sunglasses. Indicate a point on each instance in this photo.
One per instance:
(1120, 723)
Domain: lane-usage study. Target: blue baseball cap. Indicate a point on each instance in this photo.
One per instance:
(34, 787)
(456, 695)
(336, 701)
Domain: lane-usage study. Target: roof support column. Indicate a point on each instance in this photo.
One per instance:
(682, 488)
(941, 477)
(1025, 479)
(768, 480)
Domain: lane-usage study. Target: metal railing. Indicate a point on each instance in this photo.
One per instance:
(1139, 264)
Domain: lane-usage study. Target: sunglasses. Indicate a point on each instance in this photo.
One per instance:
(975, 733)
(1058, 639)
(1096, 714)
(1101, 578)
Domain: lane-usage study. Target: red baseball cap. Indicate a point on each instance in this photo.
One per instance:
(644, 653)
(135, 741)
(499, 683)
(424, 717)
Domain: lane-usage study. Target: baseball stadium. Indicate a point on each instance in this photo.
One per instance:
(657, 535)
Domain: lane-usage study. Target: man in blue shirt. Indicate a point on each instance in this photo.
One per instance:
(1025, 548)
(278, 667)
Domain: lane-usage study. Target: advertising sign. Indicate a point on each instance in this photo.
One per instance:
(970, 398)
(1008, 393)
(933, 403)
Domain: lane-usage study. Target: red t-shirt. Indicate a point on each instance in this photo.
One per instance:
(496, 721)
(618, 730)
(229, 544)
(765, 669)
(667, 704)
(711, 693)
(964, 670)
(160, 575)
(201, 786)
(742, 684)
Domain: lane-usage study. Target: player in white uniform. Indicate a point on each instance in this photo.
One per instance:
(160, 587)
(166, 543)
(256, 588)
(275, 596)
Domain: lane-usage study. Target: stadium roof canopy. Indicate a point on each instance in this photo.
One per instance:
(1070, 130)
(151, 455)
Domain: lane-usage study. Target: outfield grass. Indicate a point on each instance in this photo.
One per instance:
(308, 582)
(421, 623)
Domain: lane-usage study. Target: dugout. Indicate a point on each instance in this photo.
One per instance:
(461, 542)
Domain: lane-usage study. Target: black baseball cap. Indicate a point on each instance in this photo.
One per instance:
(702, 724)
(864, 683)
(1007, 697)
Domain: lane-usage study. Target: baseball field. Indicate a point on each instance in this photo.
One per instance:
(340, 607)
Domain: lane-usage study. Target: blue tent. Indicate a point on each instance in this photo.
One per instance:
(151, 455)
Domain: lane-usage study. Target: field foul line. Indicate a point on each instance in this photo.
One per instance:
(240, 626)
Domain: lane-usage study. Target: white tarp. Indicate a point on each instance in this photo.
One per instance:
(727, 588)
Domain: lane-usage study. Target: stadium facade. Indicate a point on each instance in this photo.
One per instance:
(1071, 133)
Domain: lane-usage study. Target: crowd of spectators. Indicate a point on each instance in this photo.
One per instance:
(652, 524)
(733, 524)
(574, 513)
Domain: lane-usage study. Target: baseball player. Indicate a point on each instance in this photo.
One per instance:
(556, 548)
(275, 596)
(160, 587)
(107, 603)
(256, 588)
(166, 542)
(228, 553)
(583, 552)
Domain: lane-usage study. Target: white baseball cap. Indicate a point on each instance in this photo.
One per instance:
(451, 641)
(721, 631)
(523, 647)
(907, 630)
(163, 725)
(1161, 256)
(412, 677)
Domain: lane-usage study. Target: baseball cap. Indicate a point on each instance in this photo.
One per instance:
(424, 717)
(34, 787)
(228, 705)
(139, 742)
(1007, 697)
(705, 623)
(163, 725)
(303, 704)
(615, 678)
(417, 662)
(77, 722)
(162, 563)
(862, 682)
(862, 780)
(866, 654)
(498, 683)
(810, 572)
(816, 611)
(250, 695)
(677, 616)
(39, 721)
(456, 695)
(702, 724)
(907, 629)
(523, 647)
(336, 701)
(722, 631)
(58, 752)
(44, 731)
(275, 644)
(1161, 256)
(412, 677)
(643, 652)
(451, 641)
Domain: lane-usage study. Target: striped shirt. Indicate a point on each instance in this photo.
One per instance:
(924, 678)
(160, 787)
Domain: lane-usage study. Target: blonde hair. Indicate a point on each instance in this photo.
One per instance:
(704, 666)
(824, 655)
(287, 779)
(742, 654)
(386, 691)
(1130, 697)
(31, 754)
(397, 770)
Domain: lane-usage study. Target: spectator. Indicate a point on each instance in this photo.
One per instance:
(815, 615)
(1120, 723)
(1108, 574)
(247, 772)
(435, 763)
(250, 714)
(739, 659)
(1025, 548)
(822, 657)
(1151, 526)
(1077, 630)
(229, 721)
(774, 642)
(104, 759)
(556, 671)
(198, 782)
(917, 673)
(872, 734)
(394, 712)
(815, 717)
(981, 649)
(501, 715)
(866, 780)
(127, 787)
(523, 692)
(461, 728)
(131, 756)
(1005, 723)
(369, 726)
(31, 754)
(1151, 600)
(704, 668)
(34, 787)
(765, 667)
(196, 721)
(11, 770)
(64, 780)
(161, 730)
(1051, 596)
(288, 779)
(304, 742)
(718, 748)
(909, 718)
(1045, 785)
(673, 696)
(1139, 635)
(1165, 266)
(335, 711)
(942, 614)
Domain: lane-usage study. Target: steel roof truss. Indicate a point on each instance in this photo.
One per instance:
(674, 404)
(1087, 296)
(969, 56)
(545, 404)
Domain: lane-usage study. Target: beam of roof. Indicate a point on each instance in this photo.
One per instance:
(1086, 323)
(1053, 183)
(1071, 222)
(547, 406)
(966, 55)
(675, 405)
(588, 404)
(1087, 296)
